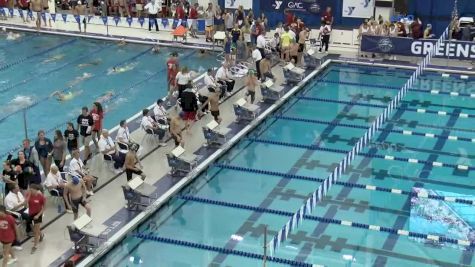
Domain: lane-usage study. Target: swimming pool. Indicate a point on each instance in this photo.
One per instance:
(36, 65)
(219, 220)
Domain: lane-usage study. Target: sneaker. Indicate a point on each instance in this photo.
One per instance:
(19, 248)
(11, 261)
(42, 236)
(117, 171)
(89, 193)
(69, 211)
(33, 250)
(162, 144)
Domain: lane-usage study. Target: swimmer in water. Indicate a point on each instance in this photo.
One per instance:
(105, 97)
(60, 96)
(156, 49)
(11, 36)
(89, 64)
(79, 79)
(126, 68)
(122, 42)
(54, 58)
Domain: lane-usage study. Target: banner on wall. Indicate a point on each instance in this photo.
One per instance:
(358, 8)
(246, 4)
(418, 48)
(310, 6)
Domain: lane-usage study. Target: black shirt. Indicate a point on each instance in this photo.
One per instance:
(84, 122)
(28, 175)
(72, 138)
(11, 175)
(189, 101)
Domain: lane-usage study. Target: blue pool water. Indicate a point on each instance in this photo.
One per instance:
(35, 66)
(229, 208)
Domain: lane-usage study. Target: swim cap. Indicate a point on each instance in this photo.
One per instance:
(75, 180)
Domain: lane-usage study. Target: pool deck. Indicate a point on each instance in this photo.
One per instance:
(108, 204)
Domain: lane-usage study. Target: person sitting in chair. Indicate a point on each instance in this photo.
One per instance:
(110, 152)
(152, 127)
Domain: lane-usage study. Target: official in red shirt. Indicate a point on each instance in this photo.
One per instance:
(289, 17)
(180, 12)
(172, 70)
(7, 236)
(327, 16)
(36, 206)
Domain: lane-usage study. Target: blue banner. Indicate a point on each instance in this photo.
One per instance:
(104, 20)
(65, 17)
(311, 6)
(129, 21)
(53, 17)
(418, 48)
(141, 20)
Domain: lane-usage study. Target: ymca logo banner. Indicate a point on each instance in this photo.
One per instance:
(312, 6)
(358, 8)
(246, 4)
(417, 48)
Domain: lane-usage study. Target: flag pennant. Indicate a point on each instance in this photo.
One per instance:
(141, 21)
(116, 20)
(129, 21)
(104, 19)
(53, 17)
(65, 17)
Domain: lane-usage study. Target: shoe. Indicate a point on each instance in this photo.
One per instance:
(33, 250)
(69, 211)
(19, 248)
(89, 193)
(117, 171)
(11, 261)
(162, 144)
(42, 237)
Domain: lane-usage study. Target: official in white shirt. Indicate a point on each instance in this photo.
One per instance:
(109, 150)
(152, 9)
(55, 184)
(123, 138)
(14, 201)
(261, 43)
(223, 75)
(257, 56)
(160, 113)
(151, 127)
(210, 82)
(76, 168)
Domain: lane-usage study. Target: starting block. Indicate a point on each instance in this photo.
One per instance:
(180, 162)
(270, 92)
(293, 74)
(215, 134)
(245, 111)
(312, 59)
(180, 31)
(219, 37)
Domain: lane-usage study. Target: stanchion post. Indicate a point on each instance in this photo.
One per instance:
(264, 260)
(25, 124)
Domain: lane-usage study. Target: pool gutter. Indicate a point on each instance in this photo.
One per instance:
(141, 217)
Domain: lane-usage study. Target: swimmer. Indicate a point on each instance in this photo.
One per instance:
(156, 49)
(121, 42)
(79, 79)
(126, 68)
(105, 97)
(11, 36)
(60, 96)
(54, 58)
(89, 64)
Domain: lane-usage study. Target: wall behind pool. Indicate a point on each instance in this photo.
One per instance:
(268, 7)
(439, 12)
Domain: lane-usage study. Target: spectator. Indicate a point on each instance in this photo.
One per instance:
(327, 16)
(220, 16)
(152, 9)
(189, 105)
(393, 31)
(151, 127)
(7, 236)
(8, 176)
(223, 76)
(75, 192)
(373, 28)
(44, 146)
(110, 152)
(416, 29)
(383, 30)
(193, 17)
(71, 136)
(172, 71)
(456, 32)
(253, 32)
(428, 32)
(175, 131)
(30, 152)
(265, 67)
(76, 168)
(36, 206)
(257, 56)
(55, 184)
(180, 11)
(251, 84)
(264, 20)
(85, 123)
(183, 80)
(160, 113)
(59, 150)
(97, 114)
(401, 30)
(325, 31)
(364, 29)
(250, 17)
(27, 172)
(132, 163)
(14, 201)
(228, 20)
(240, 16)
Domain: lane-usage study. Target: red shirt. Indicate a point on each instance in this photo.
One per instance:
(7, 229)
(180, 13)
(289, 18)
(24, 3)
(35, 204)
(97, 117)
(3, 3)
(327, 16)
(193, 13)
(172, 68)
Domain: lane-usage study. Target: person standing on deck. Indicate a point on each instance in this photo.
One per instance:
(37, 6)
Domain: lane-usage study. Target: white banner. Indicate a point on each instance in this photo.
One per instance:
(246, 4)
(358, 8)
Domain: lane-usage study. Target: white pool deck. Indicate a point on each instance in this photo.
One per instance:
(109, 199)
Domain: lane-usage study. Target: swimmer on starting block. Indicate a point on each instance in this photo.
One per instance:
(54, 58)
(60, 96)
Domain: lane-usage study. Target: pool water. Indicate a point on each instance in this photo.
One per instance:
(34, 66)
(230, 208)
